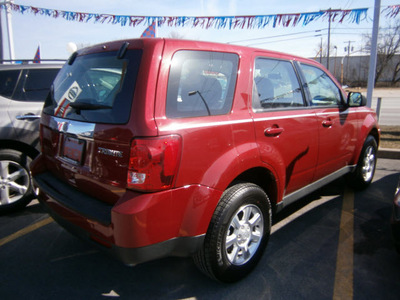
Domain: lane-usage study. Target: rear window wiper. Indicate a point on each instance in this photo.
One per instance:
(79, 106)
(88, 106)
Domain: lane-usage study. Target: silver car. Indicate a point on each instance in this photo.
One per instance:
(23, 89)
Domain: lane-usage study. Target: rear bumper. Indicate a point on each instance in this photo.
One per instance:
(182, 246)
(139, 227)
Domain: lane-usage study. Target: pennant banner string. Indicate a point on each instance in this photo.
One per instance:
(217, 22)
(391, 11)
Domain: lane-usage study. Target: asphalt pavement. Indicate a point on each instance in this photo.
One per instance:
(333, 244)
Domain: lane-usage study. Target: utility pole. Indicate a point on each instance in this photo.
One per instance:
(320, 52)
(334, 67)
(348, 56)
(329, 39)
(373, 55)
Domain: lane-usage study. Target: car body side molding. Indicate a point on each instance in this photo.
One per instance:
(293, 197)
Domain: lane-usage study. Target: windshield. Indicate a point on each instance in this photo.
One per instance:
(95, 88)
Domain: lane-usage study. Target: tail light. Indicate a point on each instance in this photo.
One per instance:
(153, 163)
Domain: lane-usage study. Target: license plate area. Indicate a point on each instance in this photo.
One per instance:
(73, 149)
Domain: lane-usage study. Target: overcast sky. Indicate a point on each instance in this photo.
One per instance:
(53, 34)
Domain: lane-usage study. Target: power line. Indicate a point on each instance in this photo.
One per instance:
(305, 32)
(274, 36)
(288, 39)
(284, 40)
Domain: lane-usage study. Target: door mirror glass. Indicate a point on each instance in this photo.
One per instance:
(356, 99)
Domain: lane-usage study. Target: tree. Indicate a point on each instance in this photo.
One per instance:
(176, 35)
(387, 48)
(322, 49)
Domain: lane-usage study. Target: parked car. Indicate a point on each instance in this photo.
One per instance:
(395, 221)
(23, 89)
(157, 147)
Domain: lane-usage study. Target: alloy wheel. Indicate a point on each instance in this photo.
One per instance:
(244, 234)
(14, 182)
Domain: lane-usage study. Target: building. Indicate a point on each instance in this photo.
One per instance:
(353, 70)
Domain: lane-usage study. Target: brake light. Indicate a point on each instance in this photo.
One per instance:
(153, 163)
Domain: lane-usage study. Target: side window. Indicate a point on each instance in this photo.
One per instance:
(275, 85)
(8, 80)
(323, 90)
(36, 84)
(201, 83)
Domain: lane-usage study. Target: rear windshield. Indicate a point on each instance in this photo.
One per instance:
(95, 88)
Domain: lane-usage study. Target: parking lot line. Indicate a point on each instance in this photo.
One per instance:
(25, 230)
(343, 288)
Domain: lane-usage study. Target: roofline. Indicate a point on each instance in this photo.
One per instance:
(245, 48)
(31, 66)
(32, 61)
(116, 44)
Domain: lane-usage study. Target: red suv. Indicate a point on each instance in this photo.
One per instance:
(157, 147)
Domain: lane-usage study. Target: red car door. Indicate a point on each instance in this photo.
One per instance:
(337, 124)
(286, 129)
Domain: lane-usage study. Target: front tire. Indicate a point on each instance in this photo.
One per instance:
(362, 177)
(15, 181)
(238, 234)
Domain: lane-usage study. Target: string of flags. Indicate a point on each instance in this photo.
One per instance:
(217, 22)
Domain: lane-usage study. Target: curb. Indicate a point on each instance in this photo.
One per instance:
(389, 153)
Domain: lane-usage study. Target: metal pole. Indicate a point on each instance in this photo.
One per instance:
(373, 55)
(9, 28)
(378, 108)
(1, 38)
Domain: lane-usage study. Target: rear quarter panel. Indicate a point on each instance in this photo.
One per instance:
(214, 147)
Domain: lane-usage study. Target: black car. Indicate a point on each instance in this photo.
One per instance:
(396, 218)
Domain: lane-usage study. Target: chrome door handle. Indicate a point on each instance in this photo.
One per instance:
(27, 117)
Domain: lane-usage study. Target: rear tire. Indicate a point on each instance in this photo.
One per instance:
(237, 235)
(16, 189)
(362, 177)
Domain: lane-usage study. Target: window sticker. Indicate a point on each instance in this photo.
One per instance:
(71, 94)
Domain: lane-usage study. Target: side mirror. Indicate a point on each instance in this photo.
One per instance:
(355, 99)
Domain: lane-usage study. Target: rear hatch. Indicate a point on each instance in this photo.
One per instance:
(85, 132)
